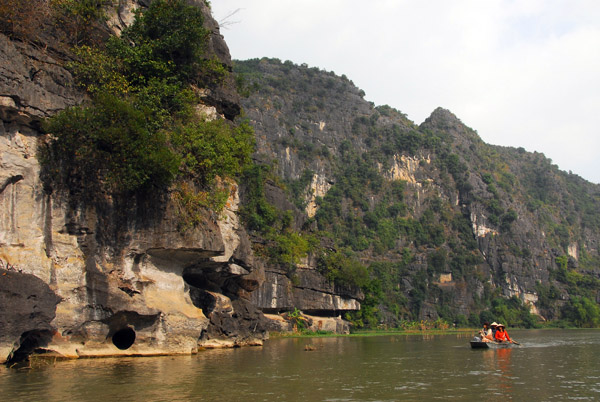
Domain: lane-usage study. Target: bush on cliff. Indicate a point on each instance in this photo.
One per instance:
(212, 148)
(141, 128)
(582, 311)
(343, 269)
(112, 143)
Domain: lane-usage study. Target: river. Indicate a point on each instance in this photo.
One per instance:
(549, 365)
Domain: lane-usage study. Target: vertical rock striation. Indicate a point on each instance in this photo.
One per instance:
(114, 276)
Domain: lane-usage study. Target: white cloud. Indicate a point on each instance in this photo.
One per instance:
(522, 73)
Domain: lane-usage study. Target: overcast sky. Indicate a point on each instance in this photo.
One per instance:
(523, 73)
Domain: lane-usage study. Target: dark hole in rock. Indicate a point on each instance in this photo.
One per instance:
(203, 300)
(30, 342)
(124, 338)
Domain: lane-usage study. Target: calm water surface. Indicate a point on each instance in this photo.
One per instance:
(549, 365)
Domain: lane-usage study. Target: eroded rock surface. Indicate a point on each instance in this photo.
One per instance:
(110, 276)
(108, 269)
(310, 292)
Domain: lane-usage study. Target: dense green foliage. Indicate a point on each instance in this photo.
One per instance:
(210, 149)
(141, 129)
(167, 42)
(342, 269)
(582, 312)
(258, 214)
(511, 311)
(113, 139)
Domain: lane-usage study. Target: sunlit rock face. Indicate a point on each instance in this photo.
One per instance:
(406, 168)
(308, 291)
(111, 276)
(319, 186)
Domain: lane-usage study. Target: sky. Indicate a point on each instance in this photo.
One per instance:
(522, 73)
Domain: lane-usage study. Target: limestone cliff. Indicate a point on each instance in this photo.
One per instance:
(446, 224)
(115, 276)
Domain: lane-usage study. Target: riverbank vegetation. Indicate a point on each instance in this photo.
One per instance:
(438, 326)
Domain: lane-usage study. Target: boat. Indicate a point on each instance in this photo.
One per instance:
(477, 344)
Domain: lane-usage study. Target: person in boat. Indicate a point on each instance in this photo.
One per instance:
(486, 333)
(494, 328)
(501, 334)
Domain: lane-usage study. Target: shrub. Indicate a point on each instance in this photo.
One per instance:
(191, 203)
(77, 21)
(297, 319)
(343, 270)
(98, 71)
(78, 18)
(289, 249)
(298, 188)
(436, 261)
(583, 312)
(110, 143)
(168, 39)
(256, 212)
(23, 19)
(507, 219)
(211, 148)
(510, 312)
(141, 128)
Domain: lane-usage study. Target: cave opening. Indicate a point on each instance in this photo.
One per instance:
(203, 300)
(30, 342)
(124, 338)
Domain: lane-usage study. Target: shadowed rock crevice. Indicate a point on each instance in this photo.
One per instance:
(30, 342)
(10, 180)
(130, 319)
(219, 289)
(235, 324)
(204, 300)
(27, 309)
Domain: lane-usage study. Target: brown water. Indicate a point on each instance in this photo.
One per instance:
(549, 365)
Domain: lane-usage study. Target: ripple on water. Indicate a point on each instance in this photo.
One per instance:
(478, 372)
(412, 386)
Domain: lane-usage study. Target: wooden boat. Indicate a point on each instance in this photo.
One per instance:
(490, 345)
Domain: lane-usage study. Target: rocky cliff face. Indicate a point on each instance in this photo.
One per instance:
(472, 222)
(115, 276)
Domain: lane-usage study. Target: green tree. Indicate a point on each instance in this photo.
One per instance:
(141, 127)
(343, 269)
(583, 312)
(109, 142)
(168, 39)
(212, 148)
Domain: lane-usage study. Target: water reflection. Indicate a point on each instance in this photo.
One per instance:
(551, 365)
(504, 369)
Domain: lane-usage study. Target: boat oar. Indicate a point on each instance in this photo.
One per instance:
(516, 343)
